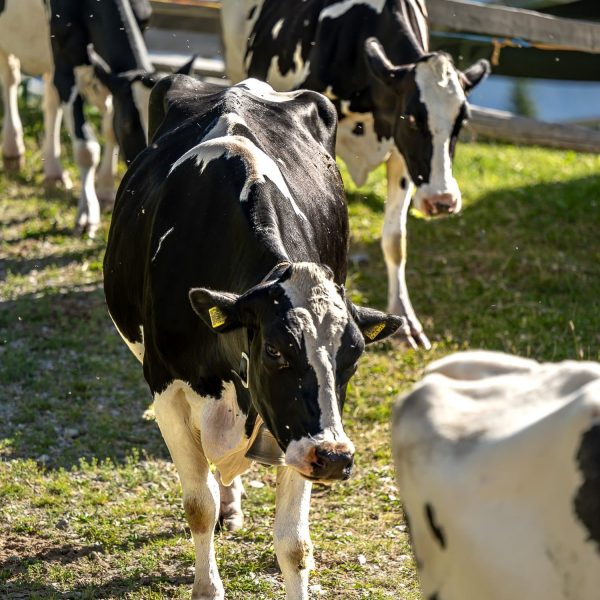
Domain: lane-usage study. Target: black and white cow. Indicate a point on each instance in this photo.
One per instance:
(396, 101)
(51, 38)
(224, 274)
(498, 465)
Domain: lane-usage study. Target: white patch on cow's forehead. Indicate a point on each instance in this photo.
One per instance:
(339, 8)
(218, 143)
(141, 99)
(263, 90)
(441, 92)
(323, 316)
(443, 96)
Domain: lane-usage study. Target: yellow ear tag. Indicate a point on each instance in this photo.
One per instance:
(373, 331)
(217, 318)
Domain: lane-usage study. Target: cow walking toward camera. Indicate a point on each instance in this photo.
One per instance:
(498, 465)
(224, 274)
(396, 101)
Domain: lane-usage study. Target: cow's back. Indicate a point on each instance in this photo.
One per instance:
(204, 207)
(497, 464)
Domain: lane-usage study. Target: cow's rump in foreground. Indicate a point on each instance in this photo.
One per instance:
(498, 464)
(223, 273)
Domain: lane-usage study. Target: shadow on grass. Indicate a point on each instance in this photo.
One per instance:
(70, 387)
(519, 270)
(22, 266)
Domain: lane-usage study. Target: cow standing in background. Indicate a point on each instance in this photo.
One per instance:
(224, 274)
(51, 39)
(396, 101)
(498, 465)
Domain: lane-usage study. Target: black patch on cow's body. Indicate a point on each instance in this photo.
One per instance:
(403, 183)
(359, 129)
(587, 499)
(251, 12)
(2, 6)
(434, 596)
(437, 531)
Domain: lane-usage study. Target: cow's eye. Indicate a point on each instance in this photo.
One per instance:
(272, 351)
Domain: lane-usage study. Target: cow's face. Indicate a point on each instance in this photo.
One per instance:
(305, 341)
(429, 110)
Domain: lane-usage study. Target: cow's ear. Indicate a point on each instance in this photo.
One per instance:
(374, 324)
(102, 70)
(475, 74)
(186, 69)
(218, 310)
(380, 65)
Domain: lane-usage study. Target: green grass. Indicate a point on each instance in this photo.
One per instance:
(90, 505)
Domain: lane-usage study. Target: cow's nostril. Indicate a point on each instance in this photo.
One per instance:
(332, 465)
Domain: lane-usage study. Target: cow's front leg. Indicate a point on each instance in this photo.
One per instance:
(13, 148)
(230, 512)
(200, 489)
(292, 538)
(53, 171)
(393, 243)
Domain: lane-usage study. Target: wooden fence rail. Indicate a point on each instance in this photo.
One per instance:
(203, 16)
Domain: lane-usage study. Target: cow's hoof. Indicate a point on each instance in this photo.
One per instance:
(58, 182)
(13, 164)
(106, 198)
(232, 522)
(83, 228)
(412, 339)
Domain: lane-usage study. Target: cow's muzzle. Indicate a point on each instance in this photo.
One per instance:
(330, 464)
(440, 204)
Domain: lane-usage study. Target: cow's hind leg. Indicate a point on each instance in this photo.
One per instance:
(230, 513)
(292, 538)
(53, 171)
(200, 489)
(393, 243)
(13, 148)
(87, 156)
(107, 172)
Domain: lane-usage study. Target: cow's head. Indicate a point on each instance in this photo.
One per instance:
(131, 95)
(428, 111)
(305, 339)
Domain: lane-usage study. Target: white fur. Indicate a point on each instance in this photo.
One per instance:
(339, 8)
(393, 241)
(259, 166)
(277, 28)
(292, 78)
(141, 99)
(293, 546)
(491, 442)
(443, 95)
(137, 348)
(172, 412)
(322, 316)
(160, 242)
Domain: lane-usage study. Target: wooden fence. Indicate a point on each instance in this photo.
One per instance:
(507, 26)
